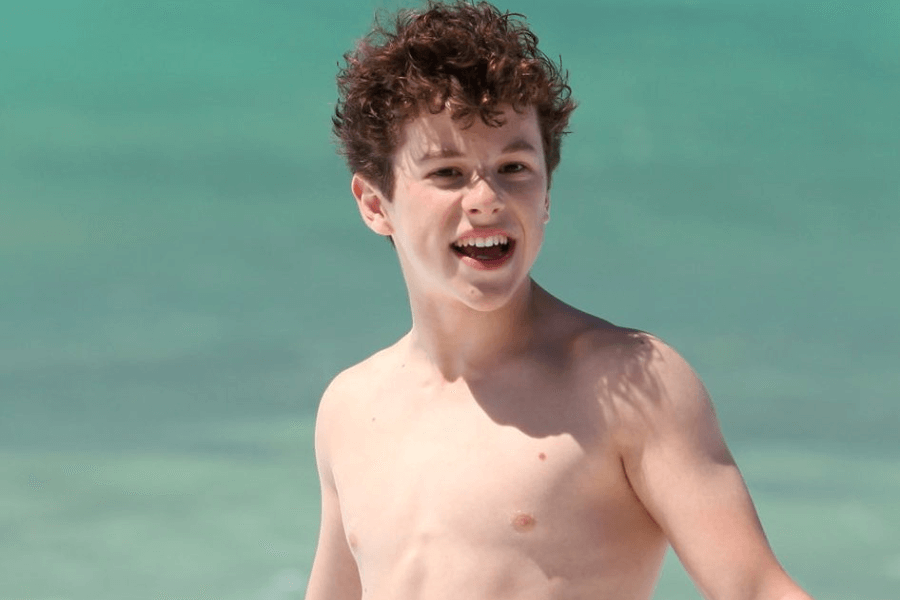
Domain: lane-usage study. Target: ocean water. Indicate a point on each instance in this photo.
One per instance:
(182, 271)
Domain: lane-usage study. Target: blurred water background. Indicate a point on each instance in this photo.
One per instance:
(182, 271)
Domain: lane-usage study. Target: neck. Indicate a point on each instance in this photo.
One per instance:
(461, 342)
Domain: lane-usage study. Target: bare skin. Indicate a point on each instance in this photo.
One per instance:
(511, 447)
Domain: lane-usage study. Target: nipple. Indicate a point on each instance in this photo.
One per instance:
(523, 522)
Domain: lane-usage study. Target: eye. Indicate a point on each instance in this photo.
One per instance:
(446, 173)
(513, 168)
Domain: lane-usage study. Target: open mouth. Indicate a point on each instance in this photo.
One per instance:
(489, 251)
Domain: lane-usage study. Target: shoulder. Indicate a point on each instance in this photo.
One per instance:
(643, 385)
(617, 360)
(355, 385)
(347, 395)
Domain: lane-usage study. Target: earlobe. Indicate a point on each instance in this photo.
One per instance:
(371, 204)
(547, 209)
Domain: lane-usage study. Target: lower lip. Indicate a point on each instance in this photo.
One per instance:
(486, 265)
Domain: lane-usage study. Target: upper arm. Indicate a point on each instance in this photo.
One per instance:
(334, 575)
(681, 469)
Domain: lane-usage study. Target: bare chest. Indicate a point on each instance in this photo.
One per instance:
(474, 475)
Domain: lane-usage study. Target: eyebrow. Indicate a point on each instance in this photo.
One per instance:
(444, 152)
(517, 145)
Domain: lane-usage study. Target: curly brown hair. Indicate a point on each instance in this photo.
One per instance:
(468, 58)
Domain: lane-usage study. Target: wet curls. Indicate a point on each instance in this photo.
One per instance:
(467, 58)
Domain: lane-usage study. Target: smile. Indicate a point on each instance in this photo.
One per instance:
(487, 252)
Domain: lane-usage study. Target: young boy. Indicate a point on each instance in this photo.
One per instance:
(509, 446)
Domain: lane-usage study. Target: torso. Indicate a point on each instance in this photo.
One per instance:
(509, 488)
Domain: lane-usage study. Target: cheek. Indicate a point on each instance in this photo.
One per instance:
(421, 220)
(538, 229)
(427, 208)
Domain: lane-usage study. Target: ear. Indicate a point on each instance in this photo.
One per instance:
(547, 208)
(371, 203)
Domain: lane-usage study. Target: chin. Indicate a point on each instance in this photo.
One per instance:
(491, 297)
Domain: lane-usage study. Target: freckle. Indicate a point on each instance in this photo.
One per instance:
(352, 540)
(542, 456)
(523, 522)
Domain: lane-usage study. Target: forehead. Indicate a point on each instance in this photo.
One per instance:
(429, 136)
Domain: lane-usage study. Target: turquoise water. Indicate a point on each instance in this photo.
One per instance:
(182, 271)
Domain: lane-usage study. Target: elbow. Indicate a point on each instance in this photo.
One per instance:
(779, 586)
(786, 590)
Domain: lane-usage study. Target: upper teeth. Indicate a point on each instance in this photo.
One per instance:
(481, 242)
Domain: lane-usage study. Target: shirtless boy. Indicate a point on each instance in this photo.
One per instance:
(509, 447)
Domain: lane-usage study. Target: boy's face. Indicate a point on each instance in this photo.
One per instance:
(469, 207)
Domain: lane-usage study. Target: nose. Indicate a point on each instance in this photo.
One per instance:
(482, 199)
